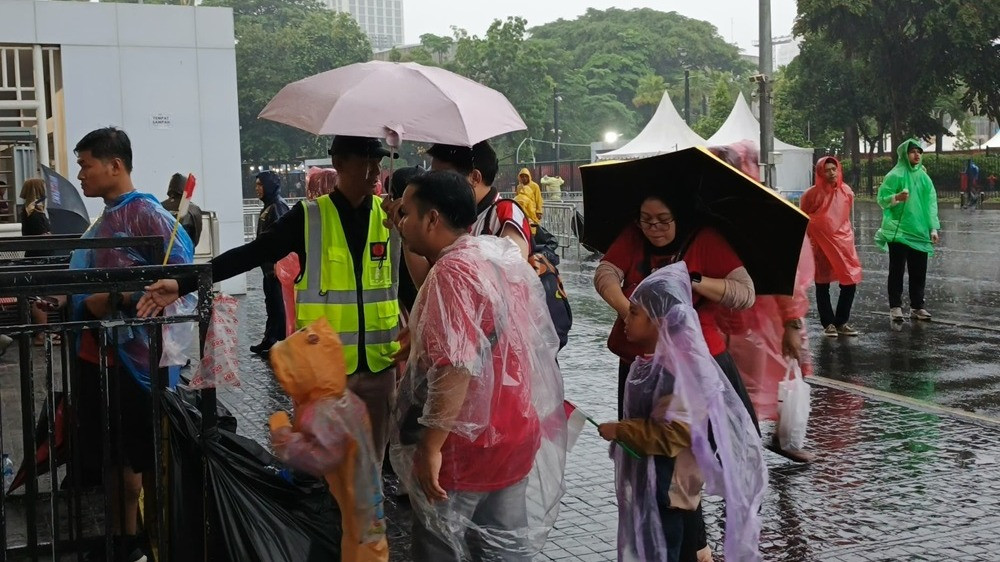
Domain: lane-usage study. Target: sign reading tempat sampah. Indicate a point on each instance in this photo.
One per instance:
(161, 121)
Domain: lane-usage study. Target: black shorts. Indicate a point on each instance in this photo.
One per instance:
(134, 424)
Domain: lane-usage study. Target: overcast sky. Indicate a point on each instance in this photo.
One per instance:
(736, 20)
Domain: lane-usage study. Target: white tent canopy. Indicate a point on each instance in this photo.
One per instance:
(794, 165)
(992, 143)
(947, 141)
(665, 132)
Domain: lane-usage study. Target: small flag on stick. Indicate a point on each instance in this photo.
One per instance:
(182, 210)
(575, 420)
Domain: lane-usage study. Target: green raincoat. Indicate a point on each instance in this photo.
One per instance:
(912, 221)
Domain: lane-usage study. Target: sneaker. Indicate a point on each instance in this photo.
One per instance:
(125, 550)
(920, 314)
(830, 331)
(846, 330)
(896, 313)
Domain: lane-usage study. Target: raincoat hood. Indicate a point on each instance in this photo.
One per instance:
(272, 186)
(902, 158)
(820, 177)
(525, 172)
(309, 364)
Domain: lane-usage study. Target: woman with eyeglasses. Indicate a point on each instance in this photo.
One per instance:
(718, 279)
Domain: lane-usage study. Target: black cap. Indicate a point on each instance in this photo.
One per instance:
(480, 157)
(365, 147)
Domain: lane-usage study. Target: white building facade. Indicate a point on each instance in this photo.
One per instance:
(164, 74)
(381, 20)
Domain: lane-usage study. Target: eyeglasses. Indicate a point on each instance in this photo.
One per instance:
(650, 225)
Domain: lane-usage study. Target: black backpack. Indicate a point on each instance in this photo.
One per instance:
(544, 258)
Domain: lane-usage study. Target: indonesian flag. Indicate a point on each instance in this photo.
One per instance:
(575, 420)
(182, 209)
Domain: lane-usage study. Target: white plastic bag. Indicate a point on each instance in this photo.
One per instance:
(220, 367)
(793, 408)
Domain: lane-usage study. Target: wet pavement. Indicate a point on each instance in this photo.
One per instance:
(906, 423)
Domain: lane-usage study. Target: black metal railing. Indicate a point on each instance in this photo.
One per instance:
(26, 282)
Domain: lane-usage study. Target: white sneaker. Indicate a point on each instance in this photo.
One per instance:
(920, 314)
(896, 313)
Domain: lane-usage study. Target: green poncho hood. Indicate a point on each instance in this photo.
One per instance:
(912, 221)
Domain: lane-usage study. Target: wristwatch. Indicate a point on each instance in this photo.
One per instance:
(695, 277)
(795, 324)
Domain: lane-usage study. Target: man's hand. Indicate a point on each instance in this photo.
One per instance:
(426, 468)
(404, 346)
(935, 238)
(158, 296)
(609, 431)
(902, 196)
(391, 208)
(791, 343)
(50, 304)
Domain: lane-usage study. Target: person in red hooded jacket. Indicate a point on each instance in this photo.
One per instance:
(828, 203)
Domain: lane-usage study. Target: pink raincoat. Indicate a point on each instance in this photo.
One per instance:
(755, 334)
(830, 229)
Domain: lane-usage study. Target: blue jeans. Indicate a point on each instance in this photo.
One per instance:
(503, 514)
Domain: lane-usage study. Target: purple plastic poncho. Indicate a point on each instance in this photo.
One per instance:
(140, 214)
(481, 331)
(702, 398)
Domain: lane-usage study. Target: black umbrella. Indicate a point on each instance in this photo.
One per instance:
(67, 213)
(764, 229)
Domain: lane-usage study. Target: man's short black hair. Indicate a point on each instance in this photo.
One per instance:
(449, 193)
(480, 157)
(401, 178)
(107, 143)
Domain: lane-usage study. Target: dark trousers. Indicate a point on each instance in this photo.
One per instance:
(685, 533)
(844, 303)
(274, 304)
(903, 258)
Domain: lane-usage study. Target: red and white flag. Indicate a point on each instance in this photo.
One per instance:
(575, 420)
(182, 209)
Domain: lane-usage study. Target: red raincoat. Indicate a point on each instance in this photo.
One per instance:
(830, 229)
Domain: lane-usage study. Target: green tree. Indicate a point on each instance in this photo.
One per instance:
(279, 42)
(912, 51)
(648, 94)
(719, 107)
(437, 45)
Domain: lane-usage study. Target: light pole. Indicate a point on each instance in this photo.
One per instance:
(764, 83)
(687, 96)
(556, 98)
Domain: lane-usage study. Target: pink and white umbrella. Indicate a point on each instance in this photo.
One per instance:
(395, 101)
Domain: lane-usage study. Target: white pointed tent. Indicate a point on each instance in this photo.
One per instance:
(665, 132)
(947, 141)
(794, 166)
(992, 143)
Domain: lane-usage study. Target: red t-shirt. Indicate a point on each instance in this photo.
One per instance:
(454, 316)
(708, 254)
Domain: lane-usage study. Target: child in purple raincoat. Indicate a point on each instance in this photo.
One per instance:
(674, 394)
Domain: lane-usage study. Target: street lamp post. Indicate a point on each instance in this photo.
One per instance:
(556, 98)
(687, 96)
(764, 83)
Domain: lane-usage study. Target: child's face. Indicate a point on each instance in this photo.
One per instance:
(640, 328)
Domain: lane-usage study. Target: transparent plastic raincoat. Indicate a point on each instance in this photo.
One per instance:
(331, 437)
(755, 335)
(484, 348)
(830, 229)
(911, 221)
(140, 214)
(682, 386)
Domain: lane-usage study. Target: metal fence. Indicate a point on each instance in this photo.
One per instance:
(52, 515)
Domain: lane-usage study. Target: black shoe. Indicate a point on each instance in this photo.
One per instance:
(125, 548)
(262, 347)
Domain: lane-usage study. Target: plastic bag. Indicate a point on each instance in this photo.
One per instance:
(287, 269)
(219, 366)
(793, 409)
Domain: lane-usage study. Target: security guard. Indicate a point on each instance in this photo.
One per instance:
(343, 248)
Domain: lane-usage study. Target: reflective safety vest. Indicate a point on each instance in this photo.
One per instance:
(328, 287)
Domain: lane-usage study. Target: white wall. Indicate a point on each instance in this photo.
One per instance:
(124, 63)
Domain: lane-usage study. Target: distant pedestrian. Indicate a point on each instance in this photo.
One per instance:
(268, 187)
(192, 220)
(909, 228)
(320, 182)
(529, 196)
(829, 203)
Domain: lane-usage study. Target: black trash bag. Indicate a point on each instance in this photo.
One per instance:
(226, 418)
(259, 510)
